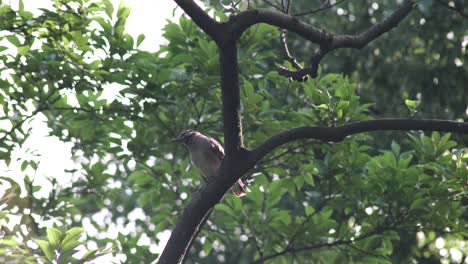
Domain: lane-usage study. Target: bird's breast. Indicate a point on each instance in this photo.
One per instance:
(207, 163)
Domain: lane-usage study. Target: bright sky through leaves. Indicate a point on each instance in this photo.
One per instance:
(148, 18)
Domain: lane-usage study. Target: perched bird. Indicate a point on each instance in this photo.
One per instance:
(207, 154)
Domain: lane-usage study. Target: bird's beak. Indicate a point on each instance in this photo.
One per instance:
(175, 140)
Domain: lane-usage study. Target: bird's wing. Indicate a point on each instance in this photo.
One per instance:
(217, 148)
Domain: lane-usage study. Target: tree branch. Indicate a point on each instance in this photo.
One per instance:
(289, 250)
(360, 40)
(324, 7)
(42, 105)
(460, 10)
(242, 21)
(326, 40)
(254, 236)
(231, 97)
(202, 19)
(285, 50)
(200, 205)
(303, 73)
(337, 134)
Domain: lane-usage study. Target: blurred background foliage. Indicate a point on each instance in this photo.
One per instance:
(374, 198)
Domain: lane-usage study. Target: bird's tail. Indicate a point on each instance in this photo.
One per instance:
(239, 188)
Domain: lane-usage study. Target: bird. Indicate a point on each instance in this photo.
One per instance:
(207, 155)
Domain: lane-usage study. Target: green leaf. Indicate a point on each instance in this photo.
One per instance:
(207, 247)
(225, 208)
(20, 5)
(284, 217)
(322, 107)
(46, 248)
(342, 105)
(13, 40)
(73, 233)
(109, 7)
(3, 214)
(123, 11)
(309, 210)
(140, 178)
(373, 242)
(411, 104)
(140, 39)
(419, 204)
(309, 179)
(89, 255)
(299, 181)
(24, 165)
(70, 245)
(54, 235)
(23, 50)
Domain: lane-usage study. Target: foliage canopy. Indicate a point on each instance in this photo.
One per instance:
(373, 198)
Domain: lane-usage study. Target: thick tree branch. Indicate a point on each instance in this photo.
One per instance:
(360, 40)
(242, 21)
(201, 204)
(326, 40)
(231, 98)
(337, 134)
(202, 19)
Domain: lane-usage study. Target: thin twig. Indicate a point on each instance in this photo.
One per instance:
(368, 252)
(460, 11)
(41, 107)
(273, 5)
(324, 7)
(285, 251)
(285, 50)
(257, 244)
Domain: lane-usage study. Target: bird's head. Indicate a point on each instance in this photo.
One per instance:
(185, 137)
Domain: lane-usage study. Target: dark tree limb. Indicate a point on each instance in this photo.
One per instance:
(237, 24)
(326, 40)
(244, 20)
(360, 40)
(285, 51)
(231, 98)
(303, 73)
(201, 204)
(337, 134)
(202, 19)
